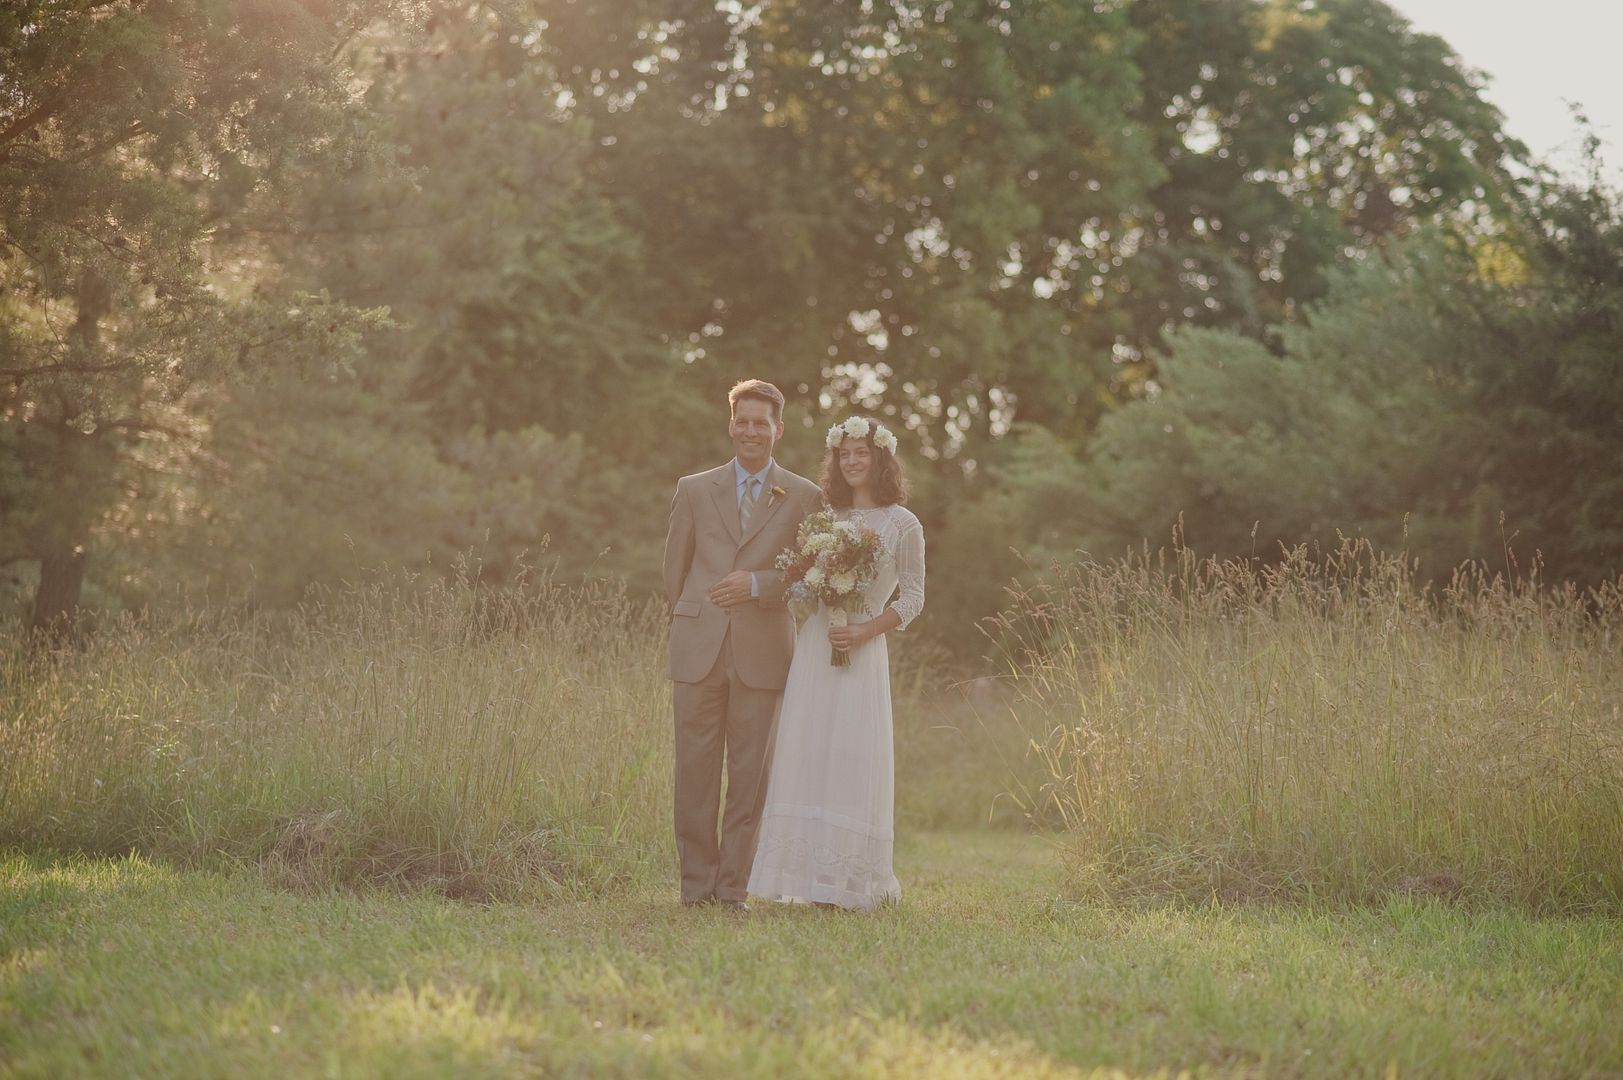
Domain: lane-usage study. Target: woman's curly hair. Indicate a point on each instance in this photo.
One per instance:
(890, 477)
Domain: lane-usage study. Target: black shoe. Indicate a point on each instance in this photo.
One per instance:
(705, 901)
(737, 907)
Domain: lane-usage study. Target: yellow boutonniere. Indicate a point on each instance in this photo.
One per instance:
(777, 493)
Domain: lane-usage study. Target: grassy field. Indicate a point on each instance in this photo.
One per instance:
(123, 967)
(1306, 820)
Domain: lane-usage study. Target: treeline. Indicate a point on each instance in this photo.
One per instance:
(296, 287)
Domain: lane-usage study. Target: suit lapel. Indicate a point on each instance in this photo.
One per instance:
(766, 505)
(724, 492)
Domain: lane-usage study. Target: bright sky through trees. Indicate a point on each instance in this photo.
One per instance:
(1539, 56)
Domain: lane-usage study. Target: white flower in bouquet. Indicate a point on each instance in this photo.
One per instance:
(831, 563)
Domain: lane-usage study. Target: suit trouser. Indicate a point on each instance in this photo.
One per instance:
(719, 718)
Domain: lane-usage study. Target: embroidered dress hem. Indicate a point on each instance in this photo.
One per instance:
(815, 856)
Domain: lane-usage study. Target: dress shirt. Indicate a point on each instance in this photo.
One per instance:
(740, 478)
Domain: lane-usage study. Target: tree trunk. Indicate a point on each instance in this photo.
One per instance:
(56, 601)
(74, 454)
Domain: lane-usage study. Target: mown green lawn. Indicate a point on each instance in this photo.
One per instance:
(126, 968)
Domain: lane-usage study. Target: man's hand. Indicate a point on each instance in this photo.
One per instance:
(732, 590)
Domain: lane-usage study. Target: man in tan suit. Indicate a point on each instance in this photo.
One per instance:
(731, 640)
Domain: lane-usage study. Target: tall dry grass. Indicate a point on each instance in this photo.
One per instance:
(423, 735)
(1321, 727)
(1326, 726)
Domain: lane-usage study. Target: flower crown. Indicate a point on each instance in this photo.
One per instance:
(856, 427)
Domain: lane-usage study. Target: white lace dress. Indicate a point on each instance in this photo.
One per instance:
(827, 830)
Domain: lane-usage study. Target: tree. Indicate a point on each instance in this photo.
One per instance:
(972, 213)
(1292, 135)
(1550, 387)
(523, 333)
(128, 133)
(1349, 426)
(1448, 397)
(865, 196)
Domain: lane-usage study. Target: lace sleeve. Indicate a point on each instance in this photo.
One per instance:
(909, 571)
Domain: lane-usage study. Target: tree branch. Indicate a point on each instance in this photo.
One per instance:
(64, 369)
(22, 124)
(124, 255)
(267, 453)
(144, 427)
(135, 131)
(346, 229)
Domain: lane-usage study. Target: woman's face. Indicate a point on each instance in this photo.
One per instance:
(856, 463)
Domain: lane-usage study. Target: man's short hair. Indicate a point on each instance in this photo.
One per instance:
(760, 390)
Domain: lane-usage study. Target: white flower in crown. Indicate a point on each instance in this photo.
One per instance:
(855, 427)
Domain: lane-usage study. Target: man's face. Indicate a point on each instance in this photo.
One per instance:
(754, 432)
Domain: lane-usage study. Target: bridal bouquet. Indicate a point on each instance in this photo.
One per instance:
(833, 562)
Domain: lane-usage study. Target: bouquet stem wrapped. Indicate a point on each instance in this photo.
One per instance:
(838, 657)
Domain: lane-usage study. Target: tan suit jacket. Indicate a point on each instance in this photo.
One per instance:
(703, 546)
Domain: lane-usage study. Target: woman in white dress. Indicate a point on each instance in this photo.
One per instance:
(827, 830)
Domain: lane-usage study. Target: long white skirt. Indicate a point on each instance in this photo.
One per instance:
(827, 831)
